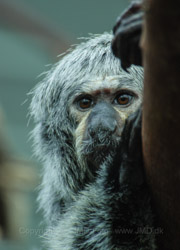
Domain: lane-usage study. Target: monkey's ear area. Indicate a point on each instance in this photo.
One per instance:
(39, 103)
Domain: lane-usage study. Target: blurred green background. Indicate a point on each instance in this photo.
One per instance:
(32, 34)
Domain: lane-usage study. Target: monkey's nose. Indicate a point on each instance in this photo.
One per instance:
(109, 126)
(105, 126)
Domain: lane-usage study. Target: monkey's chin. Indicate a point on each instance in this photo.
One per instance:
(97, 155)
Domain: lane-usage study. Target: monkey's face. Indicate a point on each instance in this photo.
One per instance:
(100, 109)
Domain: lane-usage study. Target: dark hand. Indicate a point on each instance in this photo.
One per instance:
(127, 33)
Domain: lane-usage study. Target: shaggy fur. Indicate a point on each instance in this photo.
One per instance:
(86, 208)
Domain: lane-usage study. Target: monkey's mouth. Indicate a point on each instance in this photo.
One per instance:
(96, 151)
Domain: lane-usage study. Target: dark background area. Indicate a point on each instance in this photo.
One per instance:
(32, 34)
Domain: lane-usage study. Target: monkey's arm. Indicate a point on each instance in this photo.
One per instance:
(127, 33)
(113, 211)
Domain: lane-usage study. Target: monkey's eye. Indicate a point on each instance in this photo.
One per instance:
(123, 99)
(85, 103)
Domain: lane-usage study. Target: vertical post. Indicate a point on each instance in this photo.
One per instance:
(161, 115)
